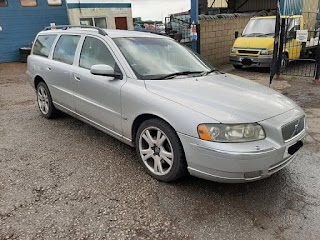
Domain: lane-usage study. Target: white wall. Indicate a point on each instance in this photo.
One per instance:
(109, 12)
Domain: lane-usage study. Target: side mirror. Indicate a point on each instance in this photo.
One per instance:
(104, 70)
(236, 34)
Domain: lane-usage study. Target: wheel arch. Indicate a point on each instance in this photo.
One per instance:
(286, 53)
(37, 80)
(140, 119)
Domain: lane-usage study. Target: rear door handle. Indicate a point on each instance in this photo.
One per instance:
(49, 68)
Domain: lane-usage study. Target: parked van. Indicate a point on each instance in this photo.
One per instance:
(255, 46)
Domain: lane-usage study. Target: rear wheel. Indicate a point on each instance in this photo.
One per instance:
(285, 60)
(160, 151)
(237, 66)
(44, 101)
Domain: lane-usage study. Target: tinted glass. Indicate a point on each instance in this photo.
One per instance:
(95, 52)
(28, 3)
(3, 3)
(43, 45)
(66, 48)
(100, 22)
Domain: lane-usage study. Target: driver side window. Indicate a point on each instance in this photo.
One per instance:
(95, 52)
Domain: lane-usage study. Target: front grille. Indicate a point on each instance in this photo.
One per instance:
(248, 52)
(293, 129)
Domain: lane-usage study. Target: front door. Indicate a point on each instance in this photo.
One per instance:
(121, 23)
(97, 98)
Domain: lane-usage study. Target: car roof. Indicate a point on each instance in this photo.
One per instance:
(112, 33)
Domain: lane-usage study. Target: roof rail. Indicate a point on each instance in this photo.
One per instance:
(65, 27)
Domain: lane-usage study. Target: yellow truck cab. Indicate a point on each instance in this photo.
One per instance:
(255, 46)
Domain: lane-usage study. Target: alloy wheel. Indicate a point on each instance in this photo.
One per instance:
(156, 151)
(43, 100)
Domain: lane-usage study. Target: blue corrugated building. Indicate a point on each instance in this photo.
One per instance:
(21, 20)
(291, 7)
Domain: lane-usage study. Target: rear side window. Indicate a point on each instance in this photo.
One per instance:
(43, 45)
(3, 3)
(95, 52)
(66, 49)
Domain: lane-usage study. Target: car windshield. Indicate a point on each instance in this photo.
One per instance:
(260, 27)
(161, 58)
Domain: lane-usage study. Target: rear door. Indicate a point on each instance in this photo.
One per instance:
(39, 59)
(97, 98)
(59, 71)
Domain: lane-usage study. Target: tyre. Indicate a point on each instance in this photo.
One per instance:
(285, 60)
(160, 151)
(44, 101)
(237, 66)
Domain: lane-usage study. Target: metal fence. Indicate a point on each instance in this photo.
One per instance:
(300, 50)
(179, 29)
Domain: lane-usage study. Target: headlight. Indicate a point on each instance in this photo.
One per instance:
(233, 50)
(231, 132)
(266, 52)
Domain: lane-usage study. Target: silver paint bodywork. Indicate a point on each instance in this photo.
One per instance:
(112, 105)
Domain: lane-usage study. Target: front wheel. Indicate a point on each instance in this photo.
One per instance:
(160, 151)
(237, 66)
(44, 101)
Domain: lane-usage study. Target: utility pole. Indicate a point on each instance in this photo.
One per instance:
(194, 20)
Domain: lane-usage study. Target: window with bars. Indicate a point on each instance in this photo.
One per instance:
(28, 3)
(3, 3)
(54, 2)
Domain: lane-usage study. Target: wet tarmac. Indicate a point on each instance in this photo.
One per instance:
(62, 179)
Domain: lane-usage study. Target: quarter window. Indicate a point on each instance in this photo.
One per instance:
(54, 2)
(66, 48)
(28, 3)
(43, 45)
(3, 3)
(95, 52)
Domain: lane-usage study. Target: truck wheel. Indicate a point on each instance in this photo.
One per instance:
(237, 66)
(285, 60)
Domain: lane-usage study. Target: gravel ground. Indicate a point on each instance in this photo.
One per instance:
(62, 179)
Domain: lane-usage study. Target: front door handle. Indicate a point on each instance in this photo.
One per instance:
(77, 78)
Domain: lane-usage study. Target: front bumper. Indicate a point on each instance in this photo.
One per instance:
(242, 162)
(260, 61)
(234, 167)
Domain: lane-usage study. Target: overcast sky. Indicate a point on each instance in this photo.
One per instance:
(158, 9)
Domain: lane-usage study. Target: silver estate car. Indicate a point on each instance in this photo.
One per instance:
(181, 114)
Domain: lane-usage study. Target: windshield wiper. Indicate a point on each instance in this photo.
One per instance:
(264, 34)
(172, 75)
(210, 71)
(251, 34)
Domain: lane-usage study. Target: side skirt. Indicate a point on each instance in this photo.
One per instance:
(94, 124)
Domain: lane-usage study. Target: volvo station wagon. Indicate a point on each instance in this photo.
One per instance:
(181, 114)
